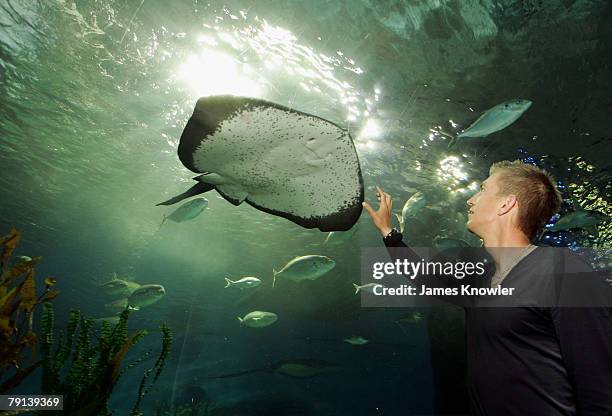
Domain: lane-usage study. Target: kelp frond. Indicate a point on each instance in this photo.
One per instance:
(17, 303)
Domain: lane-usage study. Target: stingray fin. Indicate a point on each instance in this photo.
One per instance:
(210, 178)
(232, 193)
(198, 188)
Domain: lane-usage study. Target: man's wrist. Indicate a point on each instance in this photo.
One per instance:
(385, 231)
(393, 237)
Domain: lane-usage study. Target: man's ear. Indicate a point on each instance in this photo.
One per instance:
(507, 204)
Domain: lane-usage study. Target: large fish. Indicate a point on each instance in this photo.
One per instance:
(258, 319)
(119, 287)
(187, 211)
(279, 160)
(145, 295)
(411, 208)
(495, 119)
(309, 267)
(580, 218)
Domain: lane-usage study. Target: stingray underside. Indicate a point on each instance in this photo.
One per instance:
(279, 160)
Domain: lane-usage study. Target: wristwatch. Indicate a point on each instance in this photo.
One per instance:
(394, 236)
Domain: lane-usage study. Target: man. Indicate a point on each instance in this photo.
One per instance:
(527, 360)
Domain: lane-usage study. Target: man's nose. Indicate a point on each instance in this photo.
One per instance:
(469, 202)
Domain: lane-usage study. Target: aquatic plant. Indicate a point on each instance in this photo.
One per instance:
(143, 389)
(17, 304)
(92, 370)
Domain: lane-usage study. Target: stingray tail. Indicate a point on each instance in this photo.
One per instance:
(198, 188)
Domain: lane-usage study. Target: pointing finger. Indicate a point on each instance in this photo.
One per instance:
(368, 208)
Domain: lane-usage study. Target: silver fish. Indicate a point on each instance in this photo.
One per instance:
(411, 208)
(495, 119)
(243, 283)
(258, 319)
(146, 295)
(369, 288)
(187, 211)
(356, 340)
(309, 267)
(581, 218)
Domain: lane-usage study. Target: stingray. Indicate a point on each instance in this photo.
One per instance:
(274, 158)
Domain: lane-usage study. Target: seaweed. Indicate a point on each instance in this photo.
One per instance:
(91, 370)
(84, 371)
(18, 301)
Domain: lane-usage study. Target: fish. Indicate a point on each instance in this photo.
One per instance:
(369, 287)
(305, 368)
(24, 258)
(411, 208)
(299, 368)
(144, 295)
(495, 119)
(580, 218)
(356, 340)
(412, 318)
(309, 267)
(277, 159)
(187, 211)
(258, 319)
(243, 283)
(119, 287)
(337, 238)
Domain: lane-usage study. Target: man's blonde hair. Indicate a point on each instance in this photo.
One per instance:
(535, 190)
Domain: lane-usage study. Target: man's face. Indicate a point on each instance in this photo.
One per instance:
(483, 206)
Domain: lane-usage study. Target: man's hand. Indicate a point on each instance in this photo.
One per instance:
(382, 217)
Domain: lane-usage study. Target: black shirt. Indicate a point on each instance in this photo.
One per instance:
(544, 361)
